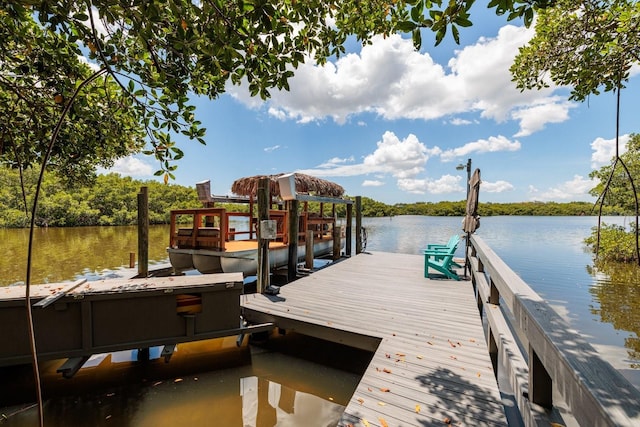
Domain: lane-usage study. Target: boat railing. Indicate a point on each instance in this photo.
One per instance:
(320, 225)
(207, 230)
(233, 232)
(547, 364)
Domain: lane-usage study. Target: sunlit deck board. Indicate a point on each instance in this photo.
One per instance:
(430, 365)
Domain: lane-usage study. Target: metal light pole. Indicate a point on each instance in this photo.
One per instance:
(466, 245)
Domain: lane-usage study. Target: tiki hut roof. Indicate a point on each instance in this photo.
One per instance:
(305, 184)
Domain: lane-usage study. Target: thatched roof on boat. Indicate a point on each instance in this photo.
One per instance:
(305, 184)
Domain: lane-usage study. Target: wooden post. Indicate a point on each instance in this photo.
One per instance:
(132, 259)
(337, 231)
(493, 351)
(143, 232)
(494, 294)
(348, 235)
(308, 256)
(358, 224)
(292, 264)
(263, 244)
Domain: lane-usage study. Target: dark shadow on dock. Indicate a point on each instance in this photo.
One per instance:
(446, 399)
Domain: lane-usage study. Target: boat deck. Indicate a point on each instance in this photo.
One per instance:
(430, 364)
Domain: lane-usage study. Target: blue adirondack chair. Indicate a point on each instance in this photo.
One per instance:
(453, 241)
(441, 260)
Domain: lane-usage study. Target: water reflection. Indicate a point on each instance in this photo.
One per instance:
(617, 290)
(211, 384)
(62, 254)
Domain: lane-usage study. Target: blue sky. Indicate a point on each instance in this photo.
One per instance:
(392, 124)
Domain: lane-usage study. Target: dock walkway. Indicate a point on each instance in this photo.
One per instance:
(430, 364)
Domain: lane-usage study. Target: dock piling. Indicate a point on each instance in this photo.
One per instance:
(143, 232)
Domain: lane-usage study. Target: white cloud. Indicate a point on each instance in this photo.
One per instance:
(534, 117)
(398, 158)
(272, 148)
(493, 144)
(496, 187)
(605, 149)
(130, 166)
(445, 184)
(460, 122)
(336, 161)
(402, 159)
(391, 79)
(574, 190)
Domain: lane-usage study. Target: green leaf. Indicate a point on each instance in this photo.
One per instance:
(406, 26)
(456, 34)
(416, 35)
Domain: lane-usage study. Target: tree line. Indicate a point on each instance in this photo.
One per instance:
(112, 200)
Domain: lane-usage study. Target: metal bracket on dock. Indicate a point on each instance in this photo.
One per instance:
(167, 352)
(252, 329)
(72, 366)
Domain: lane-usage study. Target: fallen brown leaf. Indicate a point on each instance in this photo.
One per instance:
(360, 400)
(383, 423)
(381, 403)
(447, 420)
(417, 409)
(386, 371)
(384, 389)
(366, 423)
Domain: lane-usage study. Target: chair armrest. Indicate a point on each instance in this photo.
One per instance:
(437, 253)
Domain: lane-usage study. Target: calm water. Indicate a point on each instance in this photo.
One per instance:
(547, 252)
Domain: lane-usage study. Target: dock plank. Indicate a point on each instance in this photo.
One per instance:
(431, 366)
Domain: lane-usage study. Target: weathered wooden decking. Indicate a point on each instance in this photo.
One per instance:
(431, 365)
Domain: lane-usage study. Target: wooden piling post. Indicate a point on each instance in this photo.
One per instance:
(263, 244)
(358, 224)
(292, 264)
(132, 259)
(143, 232)
(308, 256)
(337, 231)
(348, 236)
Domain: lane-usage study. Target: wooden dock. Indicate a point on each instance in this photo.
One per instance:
(430, 365)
